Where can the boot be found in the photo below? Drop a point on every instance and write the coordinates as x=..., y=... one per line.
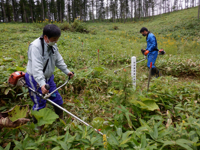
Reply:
x=157, y=72
x=153, y=71
x=34, y=120
x=59, y=112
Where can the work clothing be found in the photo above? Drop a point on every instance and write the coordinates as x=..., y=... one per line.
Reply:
x=152, y=48
x=40, y=54
x=40, y=103
x=36, y=61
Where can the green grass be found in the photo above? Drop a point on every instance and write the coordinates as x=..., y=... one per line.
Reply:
x=130, y=116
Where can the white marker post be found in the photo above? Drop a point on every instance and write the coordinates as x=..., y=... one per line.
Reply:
x=133, y=69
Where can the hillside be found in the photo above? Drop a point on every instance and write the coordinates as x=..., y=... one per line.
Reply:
x=166, y=117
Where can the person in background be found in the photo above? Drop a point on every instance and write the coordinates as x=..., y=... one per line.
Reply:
x=151, y=51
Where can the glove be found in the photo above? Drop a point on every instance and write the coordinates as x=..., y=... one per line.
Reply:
x=143, y=50
x=146, y=52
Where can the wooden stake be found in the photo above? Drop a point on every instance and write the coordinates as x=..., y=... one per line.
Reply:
x=149, y=76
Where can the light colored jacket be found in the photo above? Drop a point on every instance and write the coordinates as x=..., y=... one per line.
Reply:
x=36, y=62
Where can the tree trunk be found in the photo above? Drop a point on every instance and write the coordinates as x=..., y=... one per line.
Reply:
x=8, y=13
x=135, y=7
x=96, y=8
x=42, y=1
x=4, y=12
x=31, y=9
x=131, y=10
x=49, y=12
x=69, y=11
x=66, y=6
x=127, y=9
x=61, y=20
x=152, y=6
x=139, y=10
x=93, y=10
x=24, y=13
x=199, y=9
x=107, y=10
x=121, y=10
x=14, y=12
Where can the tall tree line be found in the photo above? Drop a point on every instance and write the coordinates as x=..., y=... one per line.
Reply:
x=94, y=10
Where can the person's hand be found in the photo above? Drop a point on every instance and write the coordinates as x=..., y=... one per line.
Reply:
x=44, y=90
x=146, y=52
x=143, y=50
x=70, y=75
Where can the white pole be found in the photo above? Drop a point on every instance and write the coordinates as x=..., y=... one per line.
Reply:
x=133, y=70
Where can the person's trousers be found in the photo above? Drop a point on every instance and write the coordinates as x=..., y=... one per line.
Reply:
x=151, y=57
x=40, y=103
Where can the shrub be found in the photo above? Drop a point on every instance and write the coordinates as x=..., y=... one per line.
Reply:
x=65, y=26
x=79, y=26
x=116, y=27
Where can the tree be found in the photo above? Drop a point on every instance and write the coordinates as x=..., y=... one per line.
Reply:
x=14, y=10
x=93, y=10
x=43, y=16
x=199, y=9
x=31, y=3
x=4, y=12
x=131, y=10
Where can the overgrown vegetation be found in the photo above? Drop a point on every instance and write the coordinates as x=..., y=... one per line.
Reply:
x=167, y=117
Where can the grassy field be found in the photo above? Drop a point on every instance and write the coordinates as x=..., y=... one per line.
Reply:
x=166, y=117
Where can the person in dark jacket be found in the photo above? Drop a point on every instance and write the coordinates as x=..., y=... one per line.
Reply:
x=151, y=51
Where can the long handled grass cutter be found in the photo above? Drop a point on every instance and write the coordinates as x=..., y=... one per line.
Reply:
x=17, y=79
x=160, y=52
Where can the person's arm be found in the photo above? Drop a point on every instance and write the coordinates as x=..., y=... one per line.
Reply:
x=37, y=65
x=152, y=43
x=61, y=64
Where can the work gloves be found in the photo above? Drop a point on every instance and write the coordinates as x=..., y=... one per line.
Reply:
x=144, y=51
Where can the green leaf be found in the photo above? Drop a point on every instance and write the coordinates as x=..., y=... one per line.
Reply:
x=147, y=104
x=126, y=134
x=184, y=146
x=18, y=145
x=126, y=138
x=32, y=148
x=7, y=90
x=45, y=116
x=99, y=69
x=97, y=122
x=95, y=139
x=119, y=132
x=143, y=141
x=20, y=68
x=155, y=131
x=63, y=145
x=168, y=143
x=18, y=112
x=7, y=59
x=112, y=140
x=183, y=143
x=128, y=119
x=7, y=147
x=3, y=108
x=151, y=105
x=57, y=148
